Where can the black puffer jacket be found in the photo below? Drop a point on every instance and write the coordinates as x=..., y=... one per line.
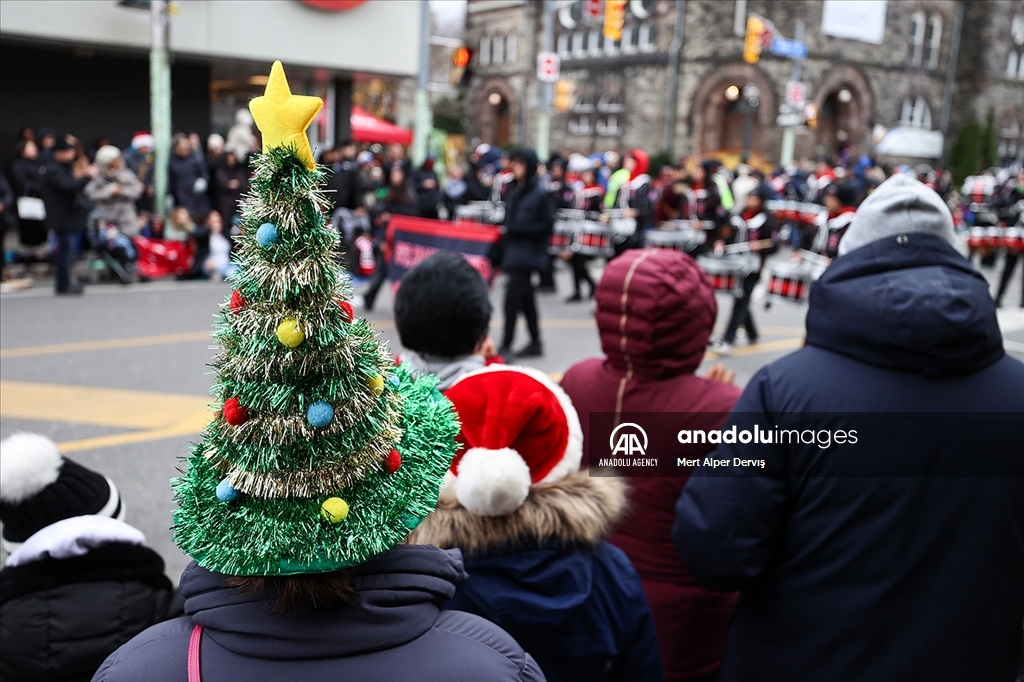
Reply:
x=60, y=618
x=529, y=220
x=62, y=194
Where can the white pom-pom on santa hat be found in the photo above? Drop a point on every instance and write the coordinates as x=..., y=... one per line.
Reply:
x=492, y=482
x=520, y=429
x=28, y=463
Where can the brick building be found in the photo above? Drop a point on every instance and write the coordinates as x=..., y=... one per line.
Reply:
x=883, y=77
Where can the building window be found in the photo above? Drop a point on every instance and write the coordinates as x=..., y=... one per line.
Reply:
x=611, y=47
x=1011, y=64
x=511, y=47
x=596, y=42
x=647, y=38
x=498, y=50
x=739, y=18
x=563, y=44
x=484, y=56
x=579, y=44
x=916, y=38
x=916, y=113
x=933, y=40
x=630, y=39
x=1017, y=29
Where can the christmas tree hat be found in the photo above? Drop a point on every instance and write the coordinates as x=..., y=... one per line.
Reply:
x=322, y=454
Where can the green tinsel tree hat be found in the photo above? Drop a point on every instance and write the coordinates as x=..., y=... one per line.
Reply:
x=322, y=454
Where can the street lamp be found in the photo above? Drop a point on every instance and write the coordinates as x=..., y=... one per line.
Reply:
x=751, y=100
x=732, y=93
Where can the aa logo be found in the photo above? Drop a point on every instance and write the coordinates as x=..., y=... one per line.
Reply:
x=628, y=439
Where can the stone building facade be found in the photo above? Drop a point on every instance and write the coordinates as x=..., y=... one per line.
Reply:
x=898, y=93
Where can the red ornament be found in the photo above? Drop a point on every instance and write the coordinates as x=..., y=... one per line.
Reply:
x=237, y=302
x=393, y=461
x=234, y=413
x=348, y=311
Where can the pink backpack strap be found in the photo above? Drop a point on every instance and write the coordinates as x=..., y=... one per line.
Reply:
x=193, y=654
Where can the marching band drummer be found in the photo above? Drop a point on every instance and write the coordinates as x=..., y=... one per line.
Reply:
x=839, y=200
x=762, y=235
x=589, y=197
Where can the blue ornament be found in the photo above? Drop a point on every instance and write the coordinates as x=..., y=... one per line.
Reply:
x=266, y=235
x=394, y=380
x=226, y=492
x=320, y=414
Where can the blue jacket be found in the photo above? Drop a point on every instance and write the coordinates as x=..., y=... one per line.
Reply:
x=394, y=631
x=900, y=557
x=544, y=574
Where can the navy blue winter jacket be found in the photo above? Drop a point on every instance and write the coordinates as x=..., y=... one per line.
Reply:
x=900, y=557
x=395, y=631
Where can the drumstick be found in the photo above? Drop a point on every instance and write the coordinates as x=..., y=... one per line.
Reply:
x=746, y=246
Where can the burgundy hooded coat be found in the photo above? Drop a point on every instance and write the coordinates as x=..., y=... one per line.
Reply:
x=655, y=313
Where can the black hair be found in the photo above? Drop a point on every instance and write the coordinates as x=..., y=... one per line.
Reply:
x=443, y=307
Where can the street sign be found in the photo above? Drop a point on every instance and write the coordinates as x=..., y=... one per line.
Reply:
x=786, y=120
x=785, y=47
x=548, y=67
x=796, y=93
x=593, y=9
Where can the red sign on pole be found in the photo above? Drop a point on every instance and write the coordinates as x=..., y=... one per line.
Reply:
x=548, y=67
x=593, y=9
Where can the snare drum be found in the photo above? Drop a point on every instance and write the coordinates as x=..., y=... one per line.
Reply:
x=1014, y=239
x=994, y=237
x=593, y=239
x=791, y=281
x=684, y=239
x=470, y=214
x=562, y=237
x=976, y=238
x=724, y=273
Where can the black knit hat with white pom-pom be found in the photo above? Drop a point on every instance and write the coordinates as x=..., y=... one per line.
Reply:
x=38, y=487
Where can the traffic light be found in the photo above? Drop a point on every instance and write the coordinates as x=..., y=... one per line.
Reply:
x=563, y=95
x=811, y=116
x=461, y=73
x=754, y=42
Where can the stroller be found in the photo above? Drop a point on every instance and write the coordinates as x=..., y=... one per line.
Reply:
x=110, y=250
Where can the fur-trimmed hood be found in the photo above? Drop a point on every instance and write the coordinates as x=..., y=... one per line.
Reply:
x=576, y=511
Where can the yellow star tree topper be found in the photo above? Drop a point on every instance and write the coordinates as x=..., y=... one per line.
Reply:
x=283, y=117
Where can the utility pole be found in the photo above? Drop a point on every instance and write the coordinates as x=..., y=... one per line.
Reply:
x=424, y=117
x=789, y=134
x=668, y=137
x=947, y=92
x=160, y=100
x=546, y=93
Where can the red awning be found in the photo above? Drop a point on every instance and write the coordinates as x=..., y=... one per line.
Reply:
x=366, y=128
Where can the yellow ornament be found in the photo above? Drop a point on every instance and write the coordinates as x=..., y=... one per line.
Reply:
x=283, y=117
x=290, y=333
x=377, y=384
x=334, y=509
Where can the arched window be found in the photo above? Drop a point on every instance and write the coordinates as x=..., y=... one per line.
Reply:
x=511, y=44
x=916, y=113
x=1011, y=64
x=498, y=49
x=916, y=38
x=933, y=40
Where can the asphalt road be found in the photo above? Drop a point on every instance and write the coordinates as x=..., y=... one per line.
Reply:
x=118, y=377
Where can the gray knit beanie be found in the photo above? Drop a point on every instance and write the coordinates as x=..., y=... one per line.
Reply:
x=899, y=205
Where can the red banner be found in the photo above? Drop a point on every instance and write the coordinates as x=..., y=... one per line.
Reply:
x=412, y=240
x=162, y=257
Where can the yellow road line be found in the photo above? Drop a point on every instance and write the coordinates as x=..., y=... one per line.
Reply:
x=102, y=406
x=758, y=348
x=132, y=437
x=107, y=344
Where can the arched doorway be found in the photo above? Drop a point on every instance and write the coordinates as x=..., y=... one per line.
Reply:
x=497, y=114
x=721, y=107
x=845, y=107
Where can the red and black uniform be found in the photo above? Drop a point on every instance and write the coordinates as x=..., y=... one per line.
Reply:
x=760, y=225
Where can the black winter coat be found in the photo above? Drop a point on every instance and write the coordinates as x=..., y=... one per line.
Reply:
x=62, y=194
x=343, y=185
x=529, y=222
x=900, y=557
x=59, y=618
x=184, y=171
x=395, y=631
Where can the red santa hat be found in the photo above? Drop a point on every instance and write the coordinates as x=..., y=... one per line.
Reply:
x=519, y=429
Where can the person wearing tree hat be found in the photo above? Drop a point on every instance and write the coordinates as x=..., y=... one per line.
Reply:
x=532, y=527
x=320, y=460
x=78, y=582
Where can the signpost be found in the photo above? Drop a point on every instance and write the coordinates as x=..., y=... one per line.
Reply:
x=549, y=66
x=796, y=93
